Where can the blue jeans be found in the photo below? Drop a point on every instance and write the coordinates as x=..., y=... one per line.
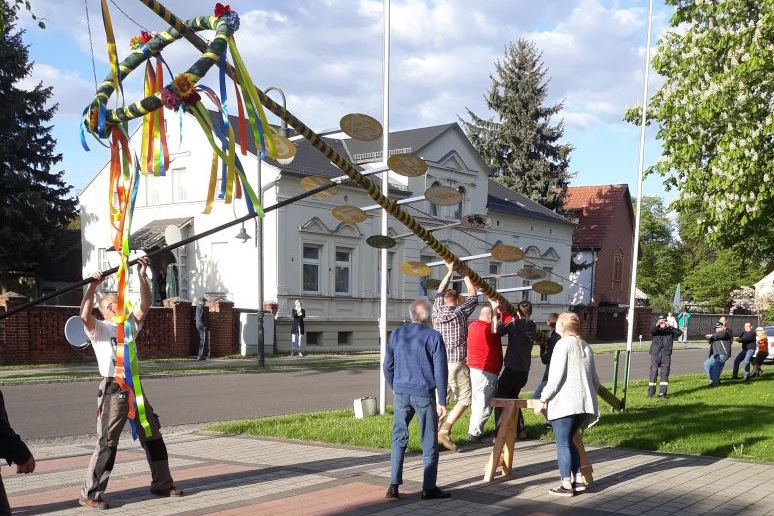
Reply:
x=566, y=452
x=404, y=406
x=743, y=356
x=539, y=390
x=202, y=340
x=713, y=366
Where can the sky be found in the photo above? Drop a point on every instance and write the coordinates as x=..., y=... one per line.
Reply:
x=327, y=57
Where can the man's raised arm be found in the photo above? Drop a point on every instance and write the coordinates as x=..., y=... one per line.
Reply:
x=141, y=310
x=87, y=304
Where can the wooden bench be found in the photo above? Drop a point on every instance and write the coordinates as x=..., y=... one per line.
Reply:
x=505, y=441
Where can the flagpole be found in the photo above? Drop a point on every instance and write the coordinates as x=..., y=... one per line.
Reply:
x=385, y=188
x=638, y=213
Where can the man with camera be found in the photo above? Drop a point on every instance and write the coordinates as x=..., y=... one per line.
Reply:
x=661, y=356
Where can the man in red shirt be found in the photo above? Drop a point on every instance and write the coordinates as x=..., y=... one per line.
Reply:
x=485, y=359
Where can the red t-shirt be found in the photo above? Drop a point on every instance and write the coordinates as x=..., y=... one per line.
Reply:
x=485, y=351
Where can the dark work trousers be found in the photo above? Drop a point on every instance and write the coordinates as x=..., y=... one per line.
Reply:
x=5, y=509
x=659, y=367
x=112, y=413
x=509, y=385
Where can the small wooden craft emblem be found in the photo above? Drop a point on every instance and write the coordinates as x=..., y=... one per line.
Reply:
x=407, y=165
x=443, y=195
x=312, y=182
x=507, y=253
x=361, y=127
x=351, y=214
x=547, y=288
x=415, y=269
x=381, y=241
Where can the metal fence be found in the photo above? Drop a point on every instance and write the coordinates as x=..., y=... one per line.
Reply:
x=700, y=325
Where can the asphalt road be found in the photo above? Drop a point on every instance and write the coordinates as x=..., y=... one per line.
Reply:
x=43, y=411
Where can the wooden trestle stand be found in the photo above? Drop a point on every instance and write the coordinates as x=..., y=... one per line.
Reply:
x=502, y=450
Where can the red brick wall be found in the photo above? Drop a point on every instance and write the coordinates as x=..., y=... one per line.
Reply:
x=588, y=321
x=36, y=335
x=642, y=325
x=620, y=235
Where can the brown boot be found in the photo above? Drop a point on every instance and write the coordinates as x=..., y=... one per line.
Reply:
x=444, y=438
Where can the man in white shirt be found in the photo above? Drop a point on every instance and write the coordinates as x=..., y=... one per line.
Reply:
x=112, y=402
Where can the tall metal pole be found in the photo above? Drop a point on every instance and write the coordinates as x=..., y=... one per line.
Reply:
x=385, y=189
x=638, y=211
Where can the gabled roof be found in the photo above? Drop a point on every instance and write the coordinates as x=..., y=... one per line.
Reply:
x=151, y=235
x=595, y=207
x=414, y=139
x=504, y=200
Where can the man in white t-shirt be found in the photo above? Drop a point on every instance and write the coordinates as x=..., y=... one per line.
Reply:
x=113, y=403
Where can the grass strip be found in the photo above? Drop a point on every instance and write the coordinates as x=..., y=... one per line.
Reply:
x=731, y=421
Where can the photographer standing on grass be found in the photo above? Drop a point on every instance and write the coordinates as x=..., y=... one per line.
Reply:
x=661, y=356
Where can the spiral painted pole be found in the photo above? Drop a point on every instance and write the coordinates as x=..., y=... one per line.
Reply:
x=373, y=190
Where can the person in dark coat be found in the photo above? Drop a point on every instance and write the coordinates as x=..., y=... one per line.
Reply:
x=297, y=330
x=202, y=313
x=719, y=351
x=14, y=451
x=661, y=356
x=546, y=350
x=747, y=339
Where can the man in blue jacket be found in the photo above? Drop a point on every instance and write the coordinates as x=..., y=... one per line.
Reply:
x=415, y=369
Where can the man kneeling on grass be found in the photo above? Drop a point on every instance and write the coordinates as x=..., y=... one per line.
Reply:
x=415, y=369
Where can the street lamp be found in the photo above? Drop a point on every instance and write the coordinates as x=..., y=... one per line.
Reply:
x=259, y=233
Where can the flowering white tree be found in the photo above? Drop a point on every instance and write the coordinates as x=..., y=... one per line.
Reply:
x=715, y=118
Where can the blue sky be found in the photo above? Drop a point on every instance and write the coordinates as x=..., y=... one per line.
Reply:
x=327, y=57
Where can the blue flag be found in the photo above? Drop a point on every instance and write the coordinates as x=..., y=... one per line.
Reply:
x=676, y=300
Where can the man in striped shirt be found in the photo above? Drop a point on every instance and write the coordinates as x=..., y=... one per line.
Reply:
x=450, y=319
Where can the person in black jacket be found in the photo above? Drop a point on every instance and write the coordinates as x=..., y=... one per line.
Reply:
x=14, y=451
x=297, y=329
x=546, y=350
x=747, y=338
x=719, y=351
x=201, y=326
x=661, y=356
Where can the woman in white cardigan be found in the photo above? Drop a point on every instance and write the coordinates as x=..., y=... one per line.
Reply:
x=569, y=399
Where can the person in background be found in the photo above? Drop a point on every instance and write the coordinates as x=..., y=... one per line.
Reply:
x=415, y=368
x=682, y=322
x=546, y=350
x=719, y=351
x=14, y=451
x=569, y=400
x=450, y=319
x=747, y=338
x=485, y=359
x=671, y=321
x=297, y=329
x=661, y=356
x=762, y=351
x=202, y=313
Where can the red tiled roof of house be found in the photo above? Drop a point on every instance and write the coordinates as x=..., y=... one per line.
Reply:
x=594, y=207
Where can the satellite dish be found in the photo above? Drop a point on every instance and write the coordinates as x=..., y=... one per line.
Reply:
x=172, y=234
x=76, y=334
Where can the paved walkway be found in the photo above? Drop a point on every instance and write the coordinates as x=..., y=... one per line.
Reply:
x=244, y=476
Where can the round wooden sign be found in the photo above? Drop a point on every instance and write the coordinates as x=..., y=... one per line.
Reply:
x=351, y=214
x=407, y=165
x=312, y=182
x=415, y=269
x=430, y=283
x=286, y=150
x=531, y=273
x=381, y=241
x=475, y=221
x=361, y=126
x=547, y=288
x=443, y=195
x=507, y=253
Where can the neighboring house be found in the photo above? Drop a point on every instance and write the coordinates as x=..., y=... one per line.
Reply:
x=310, y=255
x=602, y=257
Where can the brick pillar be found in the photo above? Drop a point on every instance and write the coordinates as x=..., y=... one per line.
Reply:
x=181, y=325
x=14, y=331
x=222, y=328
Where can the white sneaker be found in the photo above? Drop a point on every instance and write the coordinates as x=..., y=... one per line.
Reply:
x=300, y=354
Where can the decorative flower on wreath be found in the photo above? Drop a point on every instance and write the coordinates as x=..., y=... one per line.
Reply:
x=182, y=92
x=228, y=15
x=138, y=41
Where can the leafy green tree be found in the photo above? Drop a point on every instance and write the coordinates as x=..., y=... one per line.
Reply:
x=712, y=281
x=714, y=113
x=519, y=144
x=15, y=6
x=34, y=202
x=660, y=267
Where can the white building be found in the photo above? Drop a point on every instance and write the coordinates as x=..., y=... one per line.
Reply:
x=310, y=255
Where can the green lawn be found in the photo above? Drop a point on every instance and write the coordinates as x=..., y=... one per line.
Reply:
x=734, y=420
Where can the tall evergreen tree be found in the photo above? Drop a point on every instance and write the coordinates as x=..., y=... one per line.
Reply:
x=34, y=202
x=520, y=144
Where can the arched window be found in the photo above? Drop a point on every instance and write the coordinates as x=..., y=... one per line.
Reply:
x=433, y=207
x=618, y=266
x=458, y=208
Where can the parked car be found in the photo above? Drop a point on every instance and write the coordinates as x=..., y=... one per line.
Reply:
x=770, y=335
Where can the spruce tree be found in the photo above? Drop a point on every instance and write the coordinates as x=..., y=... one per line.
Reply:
x=34, y=202
x=519, y=144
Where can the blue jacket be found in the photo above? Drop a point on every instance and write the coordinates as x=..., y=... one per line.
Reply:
x=415, y=362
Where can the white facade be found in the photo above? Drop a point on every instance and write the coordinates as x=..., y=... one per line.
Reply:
x=310, y=255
